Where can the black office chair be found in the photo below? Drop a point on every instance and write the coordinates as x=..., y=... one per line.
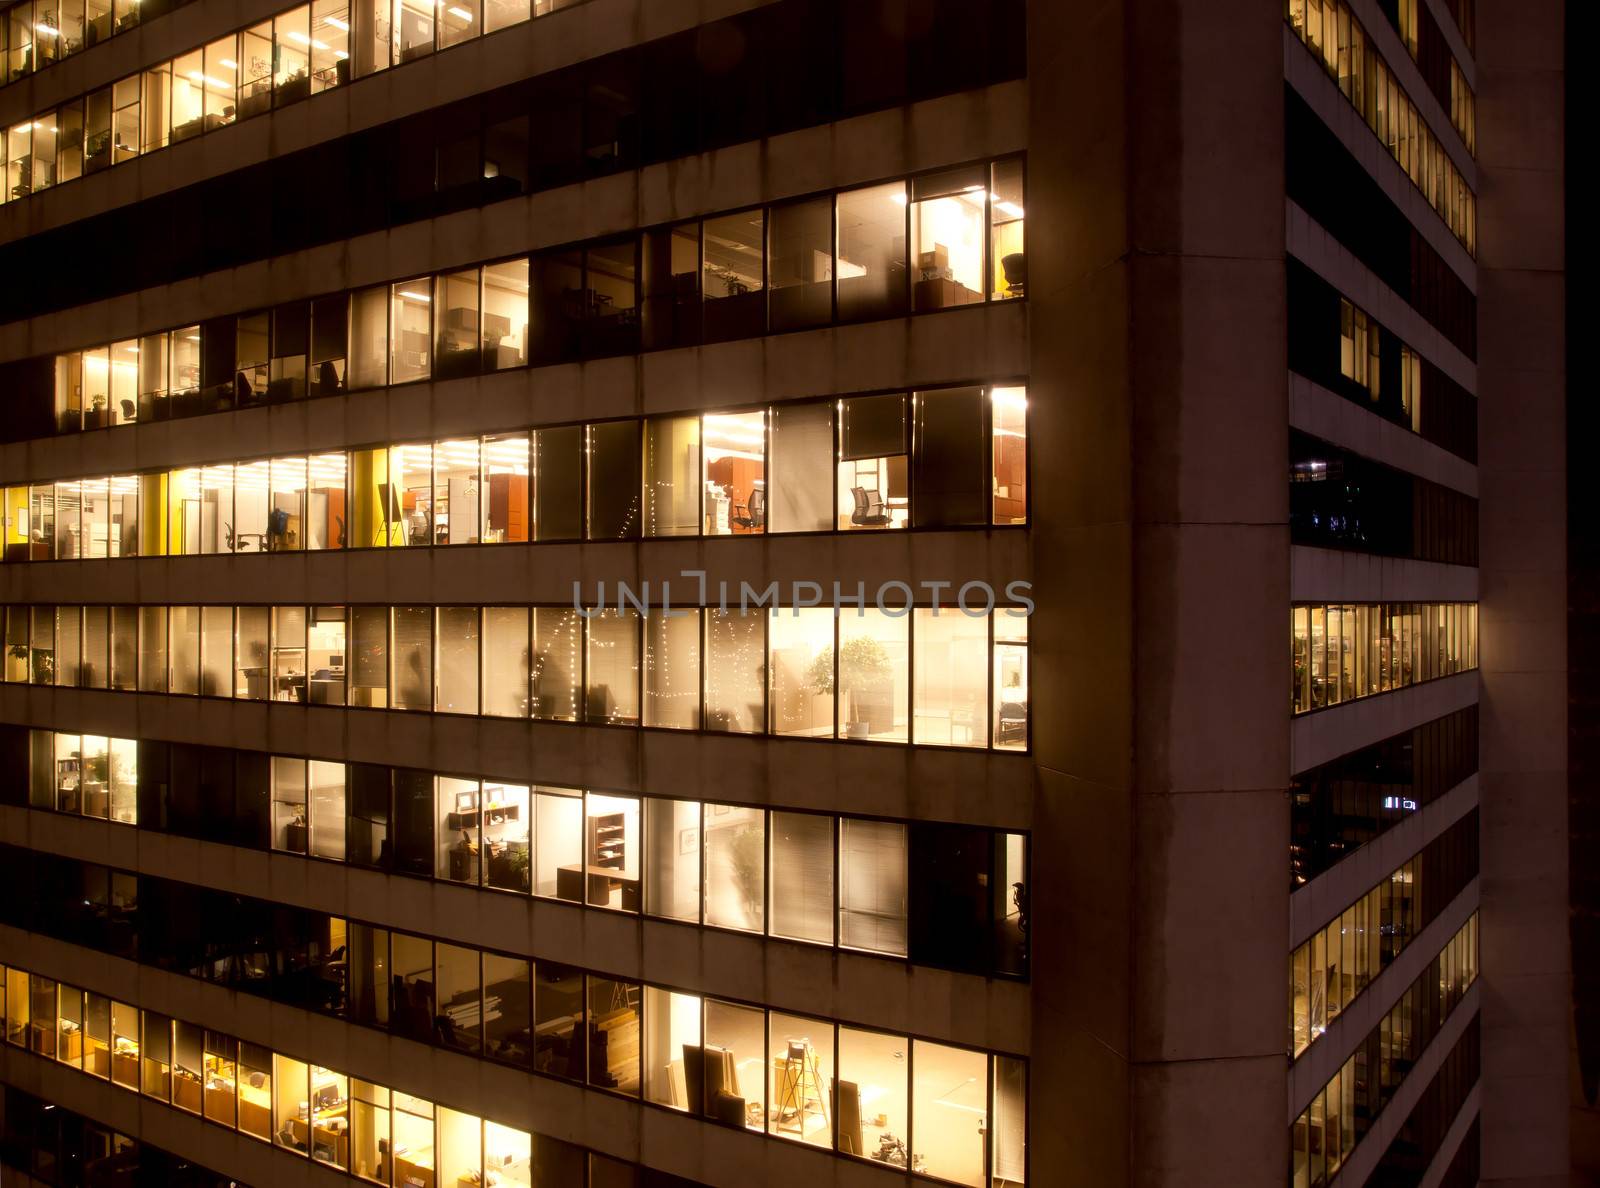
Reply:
x=870, y=510
x=753, y=514
x=130, y=411
x=1015, y=266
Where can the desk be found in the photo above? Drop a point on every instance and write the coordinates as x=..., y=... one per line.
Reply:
x=941, y=293
x=413, y=1169
x=125, y=1069
x=601, y=881
x=330, y=1134
x=186, y=1092
x=255, y=1110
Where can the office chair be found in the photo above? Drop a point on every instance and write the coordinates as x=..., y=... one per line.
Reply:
x=870, y=510
x=130, y=411
x=1015, y=267
x=754, y=513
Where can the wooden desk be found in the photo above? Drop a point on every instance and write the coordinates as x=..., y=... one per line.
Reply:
x=125, y=1069
x=414, y=1170
x=255, y=1111
x=186, y=1092
x=596, y=889
x=70, y=1047
x=331, y=1131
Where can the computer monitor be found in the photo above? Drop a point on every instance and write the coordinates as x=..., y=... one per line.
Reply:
x=326, y=1096
x=335, y=661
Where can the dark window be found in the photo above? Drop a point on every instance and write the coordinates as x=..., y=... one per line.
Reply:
x=950, y=482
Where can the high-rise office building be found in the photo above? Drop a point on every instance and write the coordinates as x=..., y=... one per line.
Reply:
x=652, y=592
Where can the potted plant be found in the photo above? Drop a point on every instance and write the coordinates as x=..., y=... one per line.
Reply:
x=94, y=416
x=747, y=861
x=866, y=683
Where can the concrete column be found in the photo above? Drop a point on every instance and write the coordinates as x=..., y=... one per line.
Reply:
x=1161, y=561
x=1522, y=445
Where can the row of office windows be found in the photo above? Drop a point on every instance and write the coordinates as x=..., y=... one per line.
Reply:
x=1340, y=500
x=934, y=241
x=288, y=57
x=1369, y=365
x=779, y=67
x=1335, y=190
x=1340, y=806
x=42, y=1144
x=1335, y=37
x=1425, y=41
x=376, y=1134
x=1330, y=970
x=1411, y=1152
x=1347, y=651
x=928, y=676
x=1345, y=1109
x=39, y=33
x=953, y=896
x=937, y=458
x=896, y=1099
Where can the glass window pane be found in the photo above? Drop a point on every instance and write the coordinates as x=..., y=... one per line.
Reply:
x=458, y=984
x=671, y=259
x=873, y=678
x=368, y=662
x=611, y=854
x=800, y=1054
x=289, y=653
x=324, y=525
x=733, y=276
x=800, y=653
x=1007, y=246
x=801, y=270
x=286, y=520
x=872, y=885
x=735, y=1077
x=557, y=662
x=412, y=302
x=872, y=1095
x=735, y=867
x=614, y=477
x=289, y=820
x=950, y=473
x=872, y=252
x=614, y=1019
x=457, y=327
x=735, y=698
x=672, y=480
x=327, y=795
x=255, y=1091
x=413, y=26
x=558, y=1027
x=156, y=1052
x=672, y=859
x=505, y=661
x=221, y=82
x=457, y=664
x=802, y=877
x=291, y=1095
x=672, y=1033
x=951, y=696
x=505, y=303
x=369, y=338
x=802, y=466
x=558, y=483
x=505, y=468
x=221, y=1073
x=947, y=236
x=330, y=44
x=460, y=814
x=735, y=473
x=612, y=652
x=410, y=495
x=330, y=339
x=1010, y=681
x=507, y=824
x=672, y=669
x=558, y=833
x=459, y=1155
x=411, y=657
x=872, y=462
x=455, y=491
x=370, y=1140
x=1009, y=420
x=949, y=1102
x=152, y=649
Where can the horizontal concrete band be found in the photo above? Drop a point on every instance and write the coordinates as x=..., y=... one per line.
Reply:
x=979, y=344
x=867, y=990
x=922, y=783
x=1322, y=413
x=929, y=134
x=615, y=1126
x=1351, y=1027
x=1341, y=575
x=1326, y=734
x=1315, y=904
x=546, y=574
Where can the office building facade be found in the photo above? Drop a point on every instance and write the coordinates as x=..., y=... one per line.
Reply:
x=617, y=593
